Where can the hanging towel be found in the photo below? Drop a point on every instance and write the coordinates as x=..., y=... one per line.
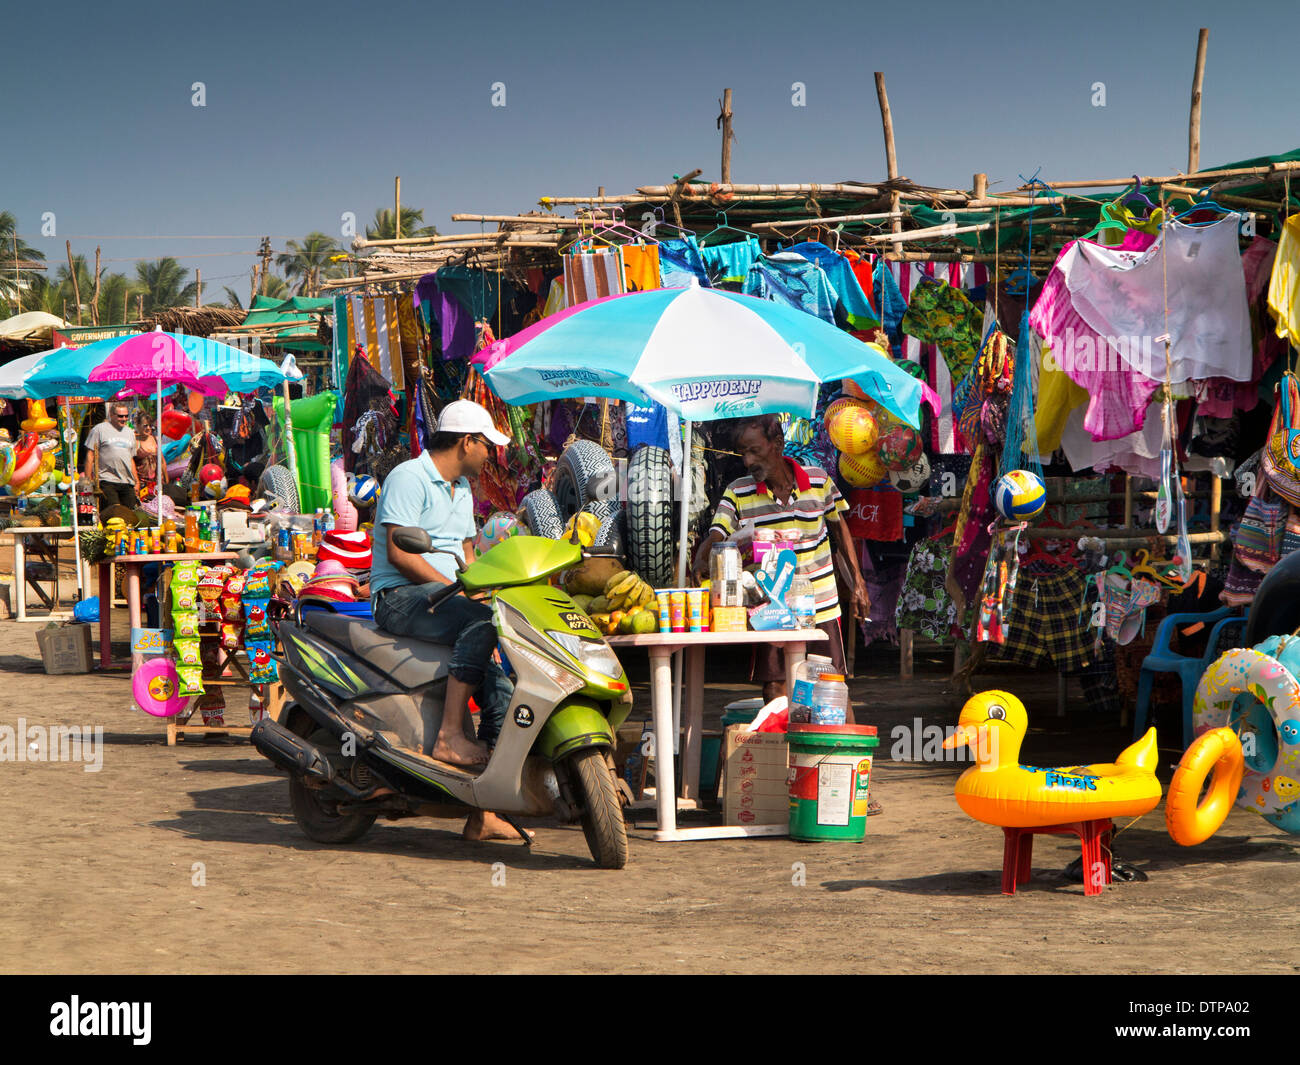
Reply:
x=681, y=265
x=372, y=322
x=640, y=266
x=1284, y=284
x=843, y=279
x=790, y=279
x=730, y=262
x=589, y=275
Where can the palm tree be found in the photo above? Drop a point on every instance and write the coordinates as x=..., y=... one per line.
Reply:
x=41, y=295
x=163, y=282
x=309, y=261
x=382, y=227
x=116, y=292
x=84, y=287
x=12, y=277
x=275, y=288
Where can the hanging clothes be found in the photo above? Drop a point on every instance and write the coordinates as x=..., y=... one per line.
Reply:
x=730, y=263
x=681, y=264
x=1284, y=283
x=790, y=279
x=640, y=266
x=369, y=418
x=371, y=323
x=857, y=310
x=589, y=275
x=940, y=314
x=924, y=604
x=554, y=298
x=1188, y=284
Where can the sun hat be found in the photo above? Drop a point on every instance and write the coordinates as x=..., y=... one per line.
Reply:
x=339, y=588
x=466, y=416
x=329, y=566
x=349, y=549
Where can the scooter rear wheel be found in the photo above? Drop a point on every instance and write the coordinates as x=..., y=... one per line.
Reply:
x=317, y=816
x=602, y=813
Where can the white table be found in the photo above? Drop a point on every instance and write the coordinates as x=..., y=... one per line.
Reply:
x=20, y=568
x=661, y=646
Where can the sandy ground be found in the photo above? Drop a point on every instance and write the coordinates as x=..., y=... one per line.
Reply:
x=186, y=859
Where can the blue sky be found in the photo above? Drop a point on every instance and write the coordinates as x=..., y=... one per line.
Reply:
x=311, y=110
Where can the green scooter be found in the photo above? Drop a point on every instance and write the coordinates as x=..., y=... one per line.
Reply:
x=364, y=707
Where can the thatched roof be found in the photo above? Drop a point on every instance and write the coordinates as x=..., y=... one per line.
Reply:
x=193, y=321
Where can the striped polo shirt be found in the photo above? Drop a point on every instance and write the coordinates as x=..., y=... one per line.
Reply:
x=813, y=502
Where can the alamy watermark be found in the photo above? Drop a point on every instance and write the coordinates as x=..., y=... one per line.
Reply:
x=919, y=742
x=57, y=743
x=1089, y=352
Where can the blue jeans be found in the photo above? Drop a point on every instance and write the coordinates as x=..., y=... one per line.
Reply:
x=464, y=625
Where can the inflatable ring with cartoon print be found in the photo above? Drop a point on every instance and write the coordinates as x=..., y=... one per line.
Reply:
x=1259, y=699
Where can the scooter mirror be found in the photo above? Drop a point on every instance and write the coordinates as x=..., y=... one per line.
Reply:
x=413, y=540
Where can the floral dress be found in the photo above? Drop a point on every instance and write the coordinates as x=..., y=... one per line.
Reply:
x=924, y=604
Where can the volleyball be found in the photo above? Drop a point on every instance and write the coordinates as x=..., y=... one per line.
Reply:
x=499, y=526
x=912, y=479
x=851, y=426
x=861, y=471
x=363, y=490
x=1019, y=495
x=900, y=447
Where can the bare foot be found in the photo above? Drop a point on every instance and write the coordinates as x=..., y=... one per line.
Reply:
x=484, y=824
x=460, y=751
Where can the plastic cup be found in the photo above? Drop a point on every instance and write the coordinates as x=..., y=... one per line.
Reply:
x=677, y=609
x=695, y=608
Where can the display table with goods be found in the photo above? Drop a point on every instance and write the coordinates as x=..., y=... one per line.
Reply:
x=39, y=547
x=661, y=646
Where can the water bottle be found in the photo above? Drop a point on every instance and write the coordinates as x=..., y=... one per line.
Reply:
x=801, y=602
x=805, y=677
x=318, y=527
x=328, y=523
x=830, y=700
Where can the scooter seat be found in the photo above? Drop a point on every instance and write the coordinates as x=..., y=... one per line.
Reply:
x=410, y=662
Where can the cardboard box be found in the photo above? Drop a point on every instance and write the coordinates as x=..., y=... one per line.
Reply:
x=756, y=767
x=65, y=649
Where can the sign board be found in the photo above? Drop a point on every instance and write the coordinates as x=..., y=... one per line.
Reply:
x=75, y=336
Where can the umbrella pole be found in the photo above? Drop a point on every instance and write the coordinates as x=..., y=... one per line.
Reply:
x=76, y=528
x=683, y=575
x=158, y=457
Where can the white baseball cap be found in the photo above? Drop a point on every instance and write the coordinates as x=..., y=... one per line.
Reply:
x=466, y=416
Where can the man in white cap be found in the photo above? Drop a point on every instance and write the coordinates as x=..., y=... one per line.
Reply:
x=432, y=492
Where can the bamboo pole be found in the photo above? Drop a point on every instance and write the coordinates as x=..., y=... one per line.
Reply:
x=979, y=186
x=542, y=220
x=794, y=223
x=397, y=210
x=76, y=286
x=1194, y=124
x=891, y=156
x=94, y=305
x=1240, y=171
x=18, y=292
x=722, y=189
x=1216, y=504
x=198, y=287
x=724, y=124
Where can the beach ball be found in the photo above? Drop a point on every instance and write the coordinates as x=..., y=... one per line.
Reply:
x=500, y=526
x=913, y=479
x=1019, y=494
x=210, y=472
x=216, y=489
x=900, y=447
x=851, y=426
x=861, y=471
x=363, y=490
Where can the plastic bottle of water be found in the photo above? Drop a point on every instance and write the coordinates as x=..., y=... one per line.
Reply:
x=830, y=700
x=327, y=525
x=801, y=602
x=805, y=677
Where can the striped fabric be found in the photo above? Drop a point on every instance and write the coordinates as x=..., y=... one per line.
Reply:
x=943, y=429
x=814, y=501
x=372, y=322
x=588, y=275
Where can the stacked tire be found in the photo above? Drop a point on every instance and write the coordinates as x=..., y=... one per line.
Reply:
x=649, y=516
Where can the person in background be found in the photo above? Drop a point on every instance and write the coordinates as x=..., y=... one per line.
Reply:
x=147, y=466
x=110, y=460
x=780, y=494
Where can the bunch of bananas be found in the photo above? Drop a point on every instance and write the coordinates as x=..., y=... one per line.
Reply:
x=623, y=606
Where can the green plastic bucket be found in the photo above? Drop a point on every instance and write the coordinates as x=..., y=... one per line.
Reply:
x=830, y=778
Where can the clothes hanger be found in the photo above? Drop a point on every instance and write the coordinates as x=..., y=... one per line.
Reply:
x=1203, y=203
x=653, y=223
x=724, y=227
x=1106, y=221
x=1135, y=195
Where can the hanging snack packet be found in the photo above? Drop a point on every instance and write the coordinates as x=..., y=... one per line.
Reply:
x=230, y=634
x=185, y=624
x=186, y=573
x=210, y=652
x=191, y=680
x=261, y=666
x=256, y=627
x=187, y=652
x=185, y=598
x=257, y=584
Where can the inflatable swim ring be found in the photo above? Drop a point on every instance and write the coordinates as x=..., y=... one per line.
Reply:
x=6, y=461
x=37, y=421
x=1257, y=697
x=1216, y=752
x=345, y=514
x=998, y=790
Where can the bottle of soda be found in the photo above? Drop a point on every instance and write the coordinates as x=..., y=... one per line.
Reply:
x=318, y=527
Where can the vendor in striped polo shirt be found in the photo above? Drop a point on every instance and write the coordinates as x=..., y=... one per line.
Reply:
x=779, y=494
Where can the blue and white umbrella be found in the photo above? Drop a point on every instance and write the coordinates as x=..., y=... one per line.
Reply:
x=703, y=353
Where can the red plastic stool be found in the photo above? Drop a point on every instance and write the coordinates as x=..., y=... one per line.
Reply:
x=1018, y=851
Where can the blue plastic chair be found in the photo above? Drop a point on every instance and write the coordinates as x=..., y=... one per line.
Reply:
x=1189, y=670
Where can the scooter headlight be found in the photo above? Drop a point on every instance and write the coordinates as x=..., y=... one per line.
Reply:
x=594, y=654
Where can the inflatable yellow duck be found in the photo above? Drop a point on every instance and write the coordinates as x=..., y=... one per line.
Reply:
x=999, y=791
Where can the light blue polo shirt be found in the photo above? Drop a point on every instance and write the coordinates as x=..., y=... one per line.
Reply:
x=415, y=493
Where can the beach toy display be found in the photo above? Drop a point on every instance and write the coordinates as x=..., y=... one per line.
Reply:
x=861, y=471
x=156, y=688
x=1019, y=495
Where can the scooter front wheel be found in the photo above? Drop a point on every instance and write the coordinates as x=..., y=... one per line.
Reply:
x=317, y=816
x=602, y=813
